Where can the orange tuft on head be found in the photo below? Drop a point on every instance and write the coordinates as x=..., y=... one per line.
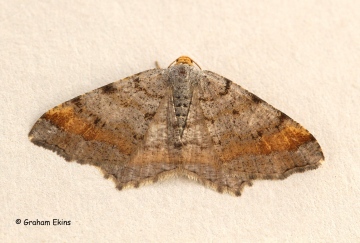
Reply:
x=184, y=60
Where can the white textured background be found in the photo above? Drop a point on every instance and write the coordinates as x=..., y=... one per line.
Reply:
x=303, y=57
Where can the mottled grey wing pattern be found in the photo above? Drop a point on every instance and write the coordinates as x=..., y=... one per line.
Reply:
x=251, y=139
x=106, y=126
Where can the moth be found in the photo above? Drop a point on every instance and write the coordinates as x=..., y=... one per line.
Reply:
x=178, y=121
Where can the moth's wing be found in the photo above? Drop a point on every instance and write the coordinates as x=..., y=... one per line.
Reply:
x=155, y=157
x=252, y=139
x=106, y=126
x=199, y=157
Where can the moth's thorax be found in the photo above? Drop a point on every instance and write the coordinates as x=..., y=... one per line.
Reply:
x=182, y=79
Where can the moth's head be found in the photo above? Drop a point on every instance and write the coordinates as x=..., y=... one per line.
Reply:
x=184, y=60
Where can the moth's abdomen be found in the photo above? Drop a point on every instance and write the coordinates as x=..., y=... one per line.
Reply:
x=182, y=94
x=181, y=105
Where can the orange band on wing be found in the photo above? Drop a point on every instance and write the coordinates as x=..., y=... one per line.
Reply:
x=289, y=138
x=66, y=119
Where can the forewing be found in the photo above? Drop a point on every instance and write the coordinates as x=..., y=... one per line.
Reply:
x=105, y=126
x=251, y=138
